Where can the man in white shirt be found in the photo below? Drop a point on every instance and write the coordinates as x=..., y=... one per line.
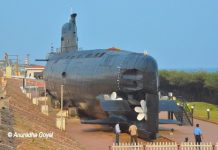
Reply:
x=133, y=133
x=117, y=132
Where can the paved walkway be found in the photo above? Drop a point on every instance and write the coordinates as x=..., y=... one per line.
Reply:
x=96, y=137
x=91, y=137
x=210, y=132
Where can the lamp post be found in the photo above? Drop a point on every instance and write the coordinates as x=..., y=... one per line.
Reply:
x=62, y=90
x=45, y=92
x=192, y=109
x=170, y=94
x=208, y=113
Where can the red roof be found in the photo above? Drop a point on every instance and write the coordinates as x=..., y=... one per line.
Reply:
x=35, y=66
x=113, y=49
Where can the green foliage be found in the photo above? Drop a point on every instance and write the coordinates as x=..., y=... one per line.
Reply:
x=181, y=78
x=200, y=110
x=212, y=81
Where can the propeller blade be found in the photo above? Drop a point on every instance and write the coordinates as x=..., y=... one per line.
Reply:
x=113, y=95
x=142, y=102
x=138, y=110
x=140, y=116
x=145, y=106
x=146, y=117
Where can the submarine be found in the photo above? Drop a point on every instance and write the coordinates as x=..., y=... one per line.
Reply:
x=107, y=86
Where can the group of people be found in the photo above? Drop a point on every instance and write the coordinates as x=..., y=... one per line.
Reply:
x=133, y=130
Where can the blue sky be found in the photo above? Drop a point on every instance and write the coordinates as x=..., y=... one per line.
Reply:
x=177, y=33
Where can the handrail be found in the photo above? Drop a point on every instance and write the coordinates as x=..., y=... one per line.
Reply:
x=187, y=112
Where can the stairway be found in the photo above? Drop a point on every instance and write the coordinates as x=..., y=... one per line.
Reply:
x=184, y=115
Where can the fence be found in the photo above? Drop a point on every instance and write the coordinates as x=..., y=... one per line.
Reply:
x=161, y=146
x=193, y=146
x=165, y=146
x=126, y=146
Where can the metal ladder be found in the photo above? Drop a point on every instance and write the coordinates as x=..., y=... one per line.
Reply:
x=184, y=115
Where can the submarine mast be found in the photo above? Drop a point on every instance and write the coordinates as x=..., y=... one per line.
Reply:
x=69, y=40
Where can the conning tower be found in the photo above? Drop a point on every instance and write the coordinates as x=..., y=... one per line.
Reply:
x=69, y=40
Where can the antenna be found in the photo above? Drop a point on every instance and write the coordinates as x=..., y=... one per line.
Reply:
x=27, y=60
x=71, y=12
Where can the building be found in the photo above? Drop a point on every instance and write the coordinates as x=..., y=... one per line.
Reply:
x=34, y=71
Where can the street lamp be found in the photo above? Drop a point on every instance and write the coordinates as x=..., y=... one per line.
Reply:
x=208, y=113
x=170, y=94
x=192, y=109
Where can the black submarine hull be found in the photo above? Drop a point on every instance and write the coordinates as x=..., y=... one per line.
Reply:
x=88, y=74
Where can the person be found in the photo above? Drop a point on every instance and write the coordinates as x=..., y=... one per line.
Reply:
x=117, y=132
x=171, y=131
x=197, y=134
x=133, y=130
x=186, y=139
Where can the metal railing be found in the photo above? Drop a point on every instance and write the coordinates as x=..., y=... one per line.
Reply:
x=185, y=115
x=187, y=112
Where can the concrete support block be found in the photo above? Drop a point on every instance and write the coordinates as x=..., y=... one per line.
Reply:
x=61, y=123
x=0, y=118
x=4, y=84
x=44, y=109
x=29, y=95
x=23, y=90
x=64, y=113
x=42, y=98
x=35, y=101
x=72, y=111
x=57, y=104
x=5, y=93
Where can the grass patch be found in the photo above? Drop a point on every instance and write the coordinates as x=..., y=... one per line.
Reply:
x=200, y=110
